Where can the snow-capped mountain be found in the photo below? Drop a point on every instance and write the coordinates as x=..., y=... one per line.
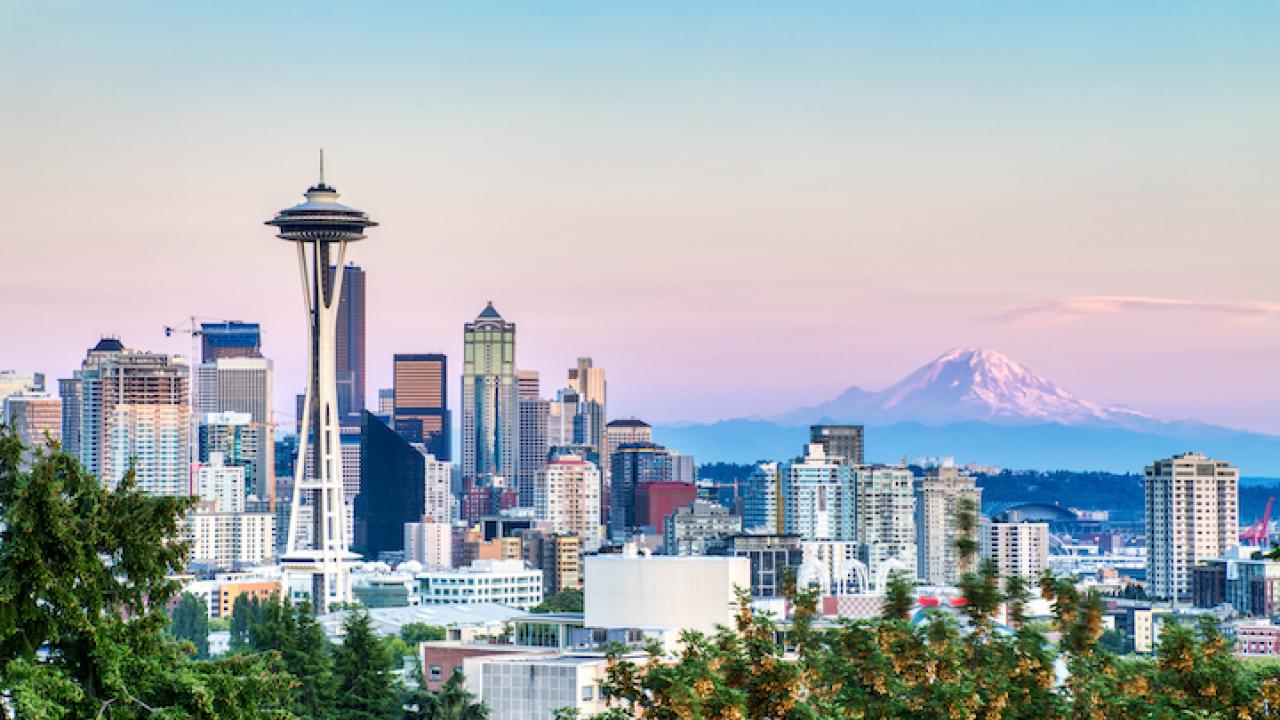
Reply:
x=969, y=384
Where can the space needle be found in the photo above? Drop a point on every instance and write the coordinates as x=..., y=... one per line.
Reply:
x=321, y=228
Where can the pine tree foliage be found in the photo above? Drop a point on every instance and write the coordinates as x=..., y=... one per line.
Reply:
x=367, y=690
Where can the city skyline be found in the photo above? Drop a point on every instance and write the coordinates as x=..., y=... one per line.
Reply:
x=786, y=176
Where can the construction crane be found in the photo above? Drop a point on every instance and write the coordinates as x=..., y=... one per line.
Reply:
x=1258, y=534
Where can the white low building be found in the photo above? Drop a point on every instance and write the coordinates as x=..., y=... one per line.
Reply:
x=506, y=582
x=631, y=590
x=534, y=688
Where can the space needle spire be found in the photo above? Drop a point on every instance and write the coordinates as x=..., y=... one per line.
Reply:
x=321, y=229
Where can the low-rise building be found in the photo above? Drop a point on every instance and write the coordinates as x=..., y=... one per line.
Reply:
x=631, y=590
x=506, y=582
x=535, y=688
x=1248, y=583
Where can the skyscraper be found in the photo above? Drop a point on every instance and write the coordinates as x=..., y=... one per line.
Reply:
x=534, y=446
x=818, y=497
x=230, y=340
x=939, y=496
x=567, y=497
x=349, y=345
x=490, y=397
x=242, y=384
x=321, y=228
x=1192, y=515
x=633, y=465
x=421, y=402
x=131, y=405
x=392, y=488
x=588, y=382
x=762, y=506
x=884, y=501
x=839, y=441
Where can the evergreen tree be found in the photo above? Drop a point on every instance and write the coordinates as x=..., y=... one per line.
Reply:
x=453, y=702
x=366, y=687
x=292, y=632
x=245, y=611
x=85, y=575
x=190, y=623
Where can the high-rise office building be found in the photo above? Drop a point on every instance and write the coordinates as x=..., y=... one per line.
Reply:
x=567, y=497
x=131, y=405
x=818, y=497
x=572, y=424
x=701, y=528
x=421, y=401
x=940, y=496
x=1192, y=515
x=386, y=402
x=392, y=489
x=35, y=417
x=429, y=543
x=350, y=345
x=587, y=381
x=230, y=340
x=558, y=556
x=535, y=414
x=634, y=464
x=490, y=397
x=239, y=385
x=839, y=441
x=884, y=500
x=242, y=443
x=623, y=432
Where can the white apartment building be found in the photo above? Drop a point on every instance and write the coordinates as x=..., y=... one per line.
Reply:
x=429, y=543
x=506, y=582
x=1192, y=515
x=438, y=494
x=817, y=497
x=567, y=498
x=1018, y=548
x=884, y=500
x=224, y=539
x=153, y=441
x=939, y=497
x=220, y=484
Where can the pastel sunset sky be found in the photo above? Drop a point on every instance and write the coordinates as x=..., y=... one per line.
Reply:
x=735, y=208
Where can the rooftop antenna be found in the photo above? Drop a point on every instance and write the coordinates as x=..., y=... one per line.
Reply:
x=321, y=167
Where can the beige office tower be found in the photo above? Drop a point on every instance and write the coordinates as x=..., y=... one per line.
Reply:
x=1018, y=548
x=528, y=384
x=36, y=418
x=940, y=495
x=588, y=382
x=1192, y=515
x=567, y=498
x=625, y=432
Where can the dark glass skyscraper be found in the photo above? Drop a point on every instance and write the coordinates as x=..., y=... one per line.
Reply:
x=421, y=408
x=230, y=340
x=350, y=346
x=634, y=464
x=843, y=441
x=392, y=488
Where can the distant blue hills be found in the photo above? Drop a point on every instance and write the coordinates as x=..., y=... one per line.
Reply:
x=1044, y=446
x=982, y=407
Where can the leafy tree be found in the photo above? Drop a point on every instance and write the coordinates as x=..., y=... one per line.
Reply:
x=453, y=702
x=568, y=600
x=190, y=623
x=1114, y=641
x=416, y=632
x=85, y=576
